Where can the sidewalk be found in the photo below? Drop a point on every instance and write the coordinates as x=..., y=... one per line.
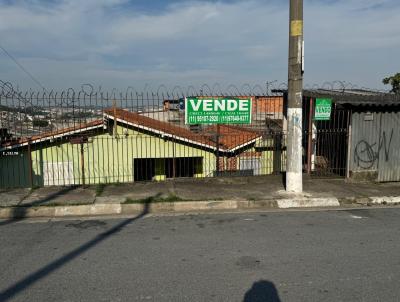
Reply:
x=196, y=194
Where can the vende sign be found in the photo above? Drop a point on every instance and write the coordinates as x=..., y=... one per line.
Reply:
x=323, y=109
x=217, y=111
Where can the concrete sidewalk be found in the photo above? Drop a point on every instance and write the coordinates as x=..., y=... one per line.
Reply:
x=196, y=194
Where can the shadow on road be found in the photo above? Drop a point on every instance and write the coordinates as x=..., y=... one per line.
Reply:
x=29, y=280
x=19, y=212
x=262, y=291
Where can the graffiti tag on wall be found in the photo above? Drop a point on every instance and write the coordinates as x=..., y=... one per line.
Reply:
x=366, y=154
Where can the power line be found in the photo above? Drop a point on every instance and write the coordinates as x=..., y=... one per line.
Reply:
x=22, y=68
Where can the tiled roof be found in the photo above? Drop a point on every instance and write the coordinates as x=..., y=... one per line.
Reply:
x=231, y=137
x=157, y=126
x=58, y=133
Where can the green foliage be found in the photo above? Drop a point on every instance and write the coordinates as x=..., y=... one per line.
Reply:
x=76, y=115
x=8, y=109
x=40, y=123
x=155, y=199
x=394, y=81
x=34, y=188
x=100, y=189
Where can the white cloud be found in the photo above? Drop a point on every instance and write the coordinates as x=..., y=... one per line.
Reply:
x=110, y=43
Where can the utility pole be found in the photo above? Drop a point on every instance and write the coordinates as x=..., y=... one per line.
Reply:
x=294, y=169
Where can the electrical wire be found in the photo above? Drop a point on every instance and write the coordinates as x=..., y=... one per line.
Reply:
x=23, y=68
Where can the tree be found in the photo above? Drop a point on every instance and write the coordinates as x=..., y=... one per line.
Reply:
x=40, y=123
x=394, y=81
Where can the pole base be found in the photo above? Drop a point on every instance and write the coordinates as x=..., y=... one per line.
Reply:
x=294, y=182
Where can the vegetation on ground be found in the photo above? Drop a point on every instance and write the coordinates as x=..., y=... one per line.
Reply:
x=100, y=189
x=153, y=199
x=40, y=123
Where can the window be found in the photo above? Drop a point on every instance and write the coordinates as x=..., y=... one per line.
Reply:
x=183, y=166
x=147, y=168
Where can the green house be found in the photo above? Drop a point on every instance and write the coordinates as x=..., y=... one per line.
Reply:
x=126, y=147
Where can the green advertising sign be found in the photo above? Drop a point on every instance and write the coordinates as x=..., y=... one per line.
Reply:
x=217, y=111
x=323, y=109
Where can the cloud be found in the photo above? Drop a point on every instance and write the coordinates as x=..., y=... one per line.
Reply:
x=119, y=43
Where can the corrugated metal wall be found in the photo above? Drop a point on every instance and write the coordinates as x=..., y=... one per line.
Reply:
x=375, y=146
x=389, y=148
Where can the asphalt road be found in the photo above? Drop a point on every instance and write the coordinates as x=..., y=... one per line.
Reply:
x=284, y=256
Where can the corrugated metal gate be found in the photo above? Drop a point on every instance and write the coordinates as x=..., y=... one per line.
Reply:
x=375, y=146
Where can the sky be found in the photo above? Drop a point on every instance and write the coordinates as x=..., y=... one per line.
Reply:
x=147, y=43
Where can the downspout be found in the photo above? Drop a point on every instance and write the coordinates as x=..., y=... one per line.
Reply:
x=83, y=164
x=310, y=137
x=349, y=138
x=217, y=157
x=30, y=169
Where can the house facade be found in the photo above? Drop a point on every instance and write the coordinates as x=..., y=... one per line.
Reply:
x=127, y=147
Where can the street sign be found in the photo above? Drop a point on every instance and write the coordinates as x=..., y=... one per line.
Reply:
x=217, y=111
x=323, y=109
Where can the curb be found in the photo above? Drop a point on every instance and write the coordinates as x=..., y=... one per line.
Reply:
x=308, y=203
x=385, y=200
x=182, y=207
x=88, y=210
x=165, y=207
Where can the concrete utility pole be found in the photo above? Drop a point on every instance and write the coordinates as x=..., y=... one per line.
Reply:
x=294, y=173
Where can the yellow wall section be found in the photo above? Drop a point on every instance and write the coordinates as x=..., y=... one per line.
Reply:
x=109, y=160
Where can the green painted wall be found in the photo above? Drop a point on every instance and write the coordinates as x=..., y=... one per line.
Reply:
x=110, y=160
x=14, y=170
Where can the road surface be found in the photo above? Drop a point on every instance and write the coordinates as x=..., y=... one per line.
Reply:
x=268, y=256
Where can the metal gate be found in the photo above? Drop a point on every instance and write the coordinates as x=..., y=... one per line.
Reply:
x=325, y=142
